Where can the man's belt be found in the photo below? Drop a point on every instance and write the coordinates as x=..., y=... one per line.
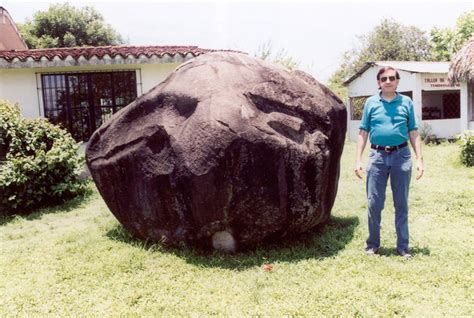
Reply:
x=389, y=148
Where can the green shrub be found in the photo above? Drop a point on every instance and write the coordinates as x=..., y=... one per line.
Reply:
x=467, y=148
x=39, y=162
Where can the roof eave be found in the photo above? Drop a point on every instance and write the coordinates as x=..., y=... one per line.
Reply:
x=359, y=73
x=105, y=60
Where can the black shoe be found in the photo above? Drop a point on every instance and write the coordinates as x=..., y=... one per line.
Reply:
x=405, y=253
x=371, y=251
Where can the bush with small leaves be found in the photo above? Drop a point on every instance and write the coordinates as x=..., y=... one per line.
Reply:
x=466, y=141
x=39, y=163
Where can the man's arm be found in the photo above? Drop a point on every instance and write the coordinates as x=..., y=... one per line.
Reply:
x=415, y=141
x=361, y=142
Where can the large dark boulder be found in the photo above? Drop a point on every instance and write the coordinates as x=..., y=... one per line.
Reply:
x=228, y=149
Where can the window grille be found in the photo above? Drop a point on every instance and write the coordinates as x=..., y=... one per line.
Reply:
x=357, y=106
x=81, y=102
x=441, y=105
x=408, y=93
x=451, y=105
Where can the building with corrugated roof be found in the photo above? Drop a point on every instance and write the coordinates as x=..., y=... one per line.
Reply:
x=437, y=102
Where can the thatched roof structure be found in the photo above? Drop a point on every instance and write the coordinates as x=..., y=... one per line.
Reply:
x=461, y=68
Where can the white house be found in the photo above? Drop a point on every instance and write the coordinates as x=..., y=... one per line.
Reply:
x=79, y=88
x=437, y=103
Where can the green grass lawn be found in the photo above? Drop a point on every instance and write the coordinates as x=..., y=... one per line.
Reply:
x=76, y=260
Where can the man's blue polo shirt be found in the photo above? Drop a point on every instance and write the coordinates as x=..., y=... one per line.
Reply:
x=388, y=123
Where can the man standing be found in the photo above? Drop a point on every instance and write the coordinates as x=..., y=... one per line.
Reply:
x=389, y=121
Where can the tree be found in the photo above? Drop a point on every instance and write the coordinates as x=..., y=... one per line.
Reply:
x=63, y=25
x=265, y=52
x=388, y=41
x=446, y=42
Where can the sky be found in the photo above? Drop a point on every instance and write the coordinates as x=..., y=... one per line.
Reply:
x=316, y=34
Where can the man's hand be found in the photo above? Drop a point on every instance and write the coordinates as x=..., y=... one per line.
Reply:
x=358, y=169
x=415, y=141
x=361, y=141
x=419, y=168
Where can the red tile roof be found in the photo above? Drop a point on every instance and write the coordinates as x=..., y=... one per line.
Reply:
x=101, y=51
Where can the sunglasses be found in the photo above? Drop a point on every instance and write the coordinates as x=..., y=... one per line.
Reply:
x=390, y=79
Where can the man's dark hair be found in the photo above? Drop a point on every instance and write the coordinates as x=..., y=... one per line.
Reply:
x=386, y=68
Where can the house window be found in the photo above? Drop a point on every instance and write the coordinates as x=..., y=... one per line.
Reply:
x=81, y=102
x=440, y=105
x=357, y=106
x=408, y=93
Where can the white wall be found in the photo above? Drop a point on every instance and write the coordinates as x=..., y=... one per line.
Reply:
x=19, y=86
x=465, y=113
x=444, y=128
x=417, y=97
x=153, y=74
x=353, y=129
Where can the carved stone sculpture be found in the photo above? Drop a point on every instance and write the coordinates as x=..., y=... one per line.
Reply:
x=228, y=151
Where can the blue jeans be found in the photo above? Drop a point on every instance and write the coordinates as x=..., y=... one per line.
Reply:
x=381, y=164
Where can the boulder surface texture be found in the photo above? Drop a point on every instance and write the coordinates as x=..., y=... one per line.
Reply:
x=229, y=148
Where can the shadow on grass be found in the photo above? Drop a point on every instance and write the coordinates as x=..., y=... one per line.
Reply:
x=36, y=214
x=392, y=251
x=323, y=241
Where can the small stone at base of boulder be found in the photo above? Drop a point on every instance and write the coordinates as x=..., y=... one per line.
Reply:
x=224, y=241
